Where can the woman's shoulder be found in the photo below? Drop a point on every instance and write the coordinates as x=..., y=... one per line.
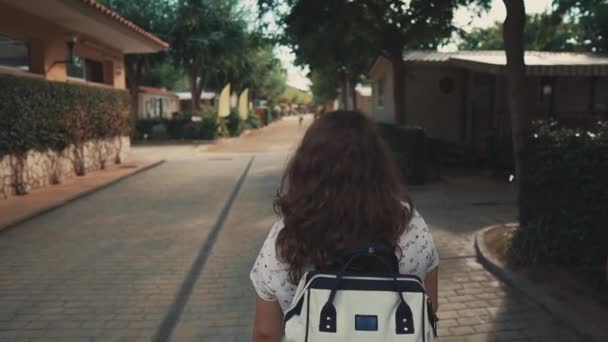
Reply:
x=417, y=231
x=417, y=222
x=268, y=249
x=275, y=229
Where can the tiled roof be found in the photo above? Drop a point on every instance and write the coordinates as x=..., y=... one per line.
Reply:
x=113, y=15
x=499, y=58
x=537, y=62
x=426, y=56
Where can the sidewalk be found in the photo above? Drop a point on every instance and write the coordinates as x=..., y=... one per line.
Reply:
x=17, y=209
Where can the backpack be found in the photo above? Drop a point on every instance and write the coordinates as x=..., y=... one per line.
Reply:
x=351, y=302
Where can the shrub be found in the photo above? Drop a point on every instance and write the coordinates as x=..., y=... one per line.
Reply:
x=253, y=121
x=409, y=146
x=180, y=127
x=144, y=128
x=273, y=115
x=37, y=114
x=235, y=124
x=209, y=126
x=564, y=191
x=159, y=132
x=175, y=126
x=192, y=130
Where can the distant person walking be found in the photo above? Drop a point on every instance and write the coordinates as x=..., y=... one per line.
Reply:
x=301, y=119
x=319, y=112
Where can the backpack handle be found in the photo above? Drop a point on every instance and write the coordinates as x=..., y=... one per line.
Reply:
x=374, y=250
x=404, y=318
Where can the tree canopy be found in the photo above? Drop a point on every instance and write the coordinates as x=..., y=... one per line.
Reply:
x=591, y=19
x=345, y=34
x=542, y=33
x=210, y=45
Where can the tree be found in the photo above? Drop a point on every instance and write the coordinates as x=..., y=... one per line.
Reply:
x=332, y=44
x=542, y=33
x=513, y=33
x=591, y=17
x=154, y=16
x=163, y=75
x=266, y=78
x=324, y=86
x=208, y=36
x=387, y=27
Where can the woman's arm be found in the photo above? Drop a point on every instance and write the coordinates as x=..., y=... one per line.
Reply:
x=431, y=284
x=268, y=325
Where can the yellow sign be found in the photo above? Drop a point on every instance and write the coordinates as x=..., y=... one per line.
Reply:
x=224, y=102
x=244, y=104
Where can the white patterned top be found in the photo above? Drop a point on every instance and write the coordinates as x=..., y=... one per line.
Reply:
x=270, y=275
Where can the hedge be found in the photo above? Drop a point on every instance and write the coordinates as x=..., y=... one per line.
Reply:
x=409, y=145
x=183, y=127
x=37, y=114
x=176, y=129
x=564, y=198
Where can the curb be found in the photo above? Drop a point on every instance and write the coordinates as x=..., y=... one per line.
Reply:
x=77, y=196
x=587, y=330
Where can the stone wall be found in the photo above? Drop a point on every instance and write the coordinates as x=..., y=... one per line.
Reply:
x=42, y=168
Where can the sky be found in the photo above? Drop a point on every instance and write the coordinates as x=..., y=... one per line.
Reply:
x=296, y=76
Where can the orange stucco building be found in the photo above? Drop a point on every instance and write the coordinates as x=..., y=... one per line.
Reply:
x=37, y=39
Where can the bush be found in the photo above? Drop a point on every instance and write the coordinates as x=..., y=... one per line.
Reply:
x=209, y=126
x=564, y=191
x=192, y=130
x=253, y=121
x=175, y=127
x=180, y=127
x=37, y=114
x=144, y=128
x=409, y=145
x=159, y=132
x=235, y=124
x=273, y=115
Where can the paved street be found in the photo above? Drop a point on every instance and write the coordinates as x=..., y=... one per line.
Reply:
x=165, y=255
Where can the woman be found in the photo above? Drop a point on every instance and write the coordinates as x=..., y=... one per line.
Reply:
x=341, y=189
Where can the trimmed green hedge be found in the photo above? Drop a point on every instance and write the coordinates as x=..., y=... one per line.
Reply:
x=180, y=127
x=564, y=199
x=409, y=145
x=37, y=114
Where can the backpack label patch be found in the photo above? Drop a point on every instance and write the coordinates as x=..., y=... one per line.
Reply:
x=366, y=323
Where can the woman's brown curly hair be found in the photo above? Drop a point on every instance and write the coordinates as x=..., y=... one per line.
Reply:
x=341, y=189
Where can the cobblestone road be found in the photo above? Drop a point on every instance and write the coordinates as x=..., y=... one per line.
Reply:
x=165, y=255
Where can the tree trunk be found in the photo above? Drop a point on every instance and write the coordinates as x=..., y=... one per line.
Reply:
x=194, y=93
x=513, y=32
x=134, y=79
x=354, y=93
x=399, y=86
x=344, y=92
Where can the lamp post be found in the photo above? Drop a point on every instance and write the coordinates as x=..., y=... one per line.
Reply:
x=71, y=41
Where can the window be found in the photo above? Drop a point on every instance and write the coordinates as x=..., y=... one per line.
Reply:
x=380, y=93
x=86, y=69
x=14, y=53
x=76, y=68
x=93, y=71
